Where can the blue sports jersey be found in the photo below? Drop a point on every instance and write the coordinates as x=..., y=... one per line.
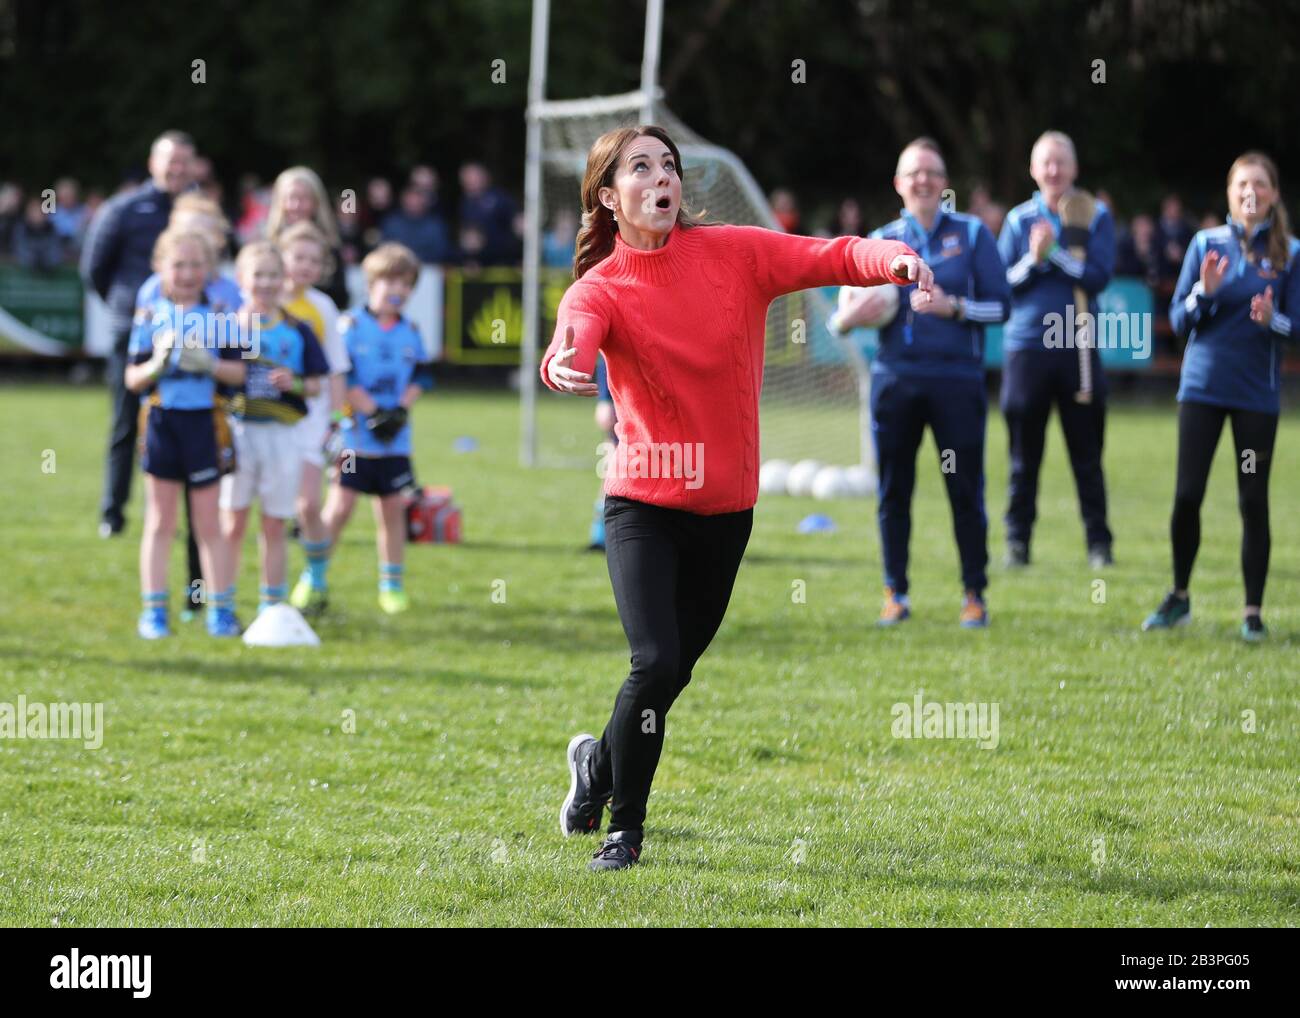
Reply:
x=964, y=257
x=384, y=363
x=284, y=343
x=196, y=325
x=1231, y=361
x=1041, y=289
x=221, y=293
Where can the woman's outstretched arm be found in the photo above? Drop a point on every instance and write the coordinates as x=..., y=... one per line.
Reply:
x=581, y=326
x=786, y=262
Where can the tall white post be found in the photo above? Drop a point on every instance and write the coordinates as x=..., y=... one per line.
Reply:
x=654, y=27
x=528, y=381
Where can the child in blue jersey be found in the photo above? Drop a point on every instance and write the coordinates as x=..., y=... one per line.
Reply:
x=1236, y=302
x=177, y=356
x=197, y=212
x=930, y=371
x=390, y=368
x=286, y=365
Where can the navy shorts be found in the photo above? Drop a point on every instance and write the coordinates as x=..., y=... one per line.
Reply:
x=181, y=445
x=377, y=475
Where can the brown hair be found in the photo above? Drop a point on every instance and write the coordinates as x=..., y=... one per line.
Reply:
x=595, y=240
x=1279, y=231
x=313, y=234
x=391, y=259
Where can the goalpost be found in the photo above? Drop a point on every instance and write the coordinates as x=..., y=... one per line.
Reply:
x=814, y=403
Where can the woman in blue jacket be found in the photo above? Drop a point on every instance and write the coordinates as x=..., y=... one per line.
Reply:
x=930, y=371
x=1239, y=285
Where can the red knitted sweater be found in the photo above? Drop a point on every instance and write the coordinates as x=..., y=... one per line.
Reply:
x=683, y=329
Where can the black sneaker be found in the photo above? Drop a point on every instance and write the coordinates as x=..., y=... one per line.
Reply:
x=1099, y=556
x=584, y=806
x=1017, y=556
x=1253, y=629
x=621, y=850
x=1173, y=611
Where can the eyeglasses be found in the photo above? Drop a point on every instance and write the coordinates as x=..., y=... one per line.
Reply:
x=913, y=174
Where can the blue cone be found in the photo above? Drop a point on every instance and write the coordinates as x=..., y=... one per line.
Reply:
x=817, y=523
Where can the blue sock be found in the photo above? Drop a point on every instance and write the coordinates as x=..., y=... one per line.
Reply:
x=390, y=575
x=221, y=599
x=271, y=596
x=318, y=561
x=150, y=600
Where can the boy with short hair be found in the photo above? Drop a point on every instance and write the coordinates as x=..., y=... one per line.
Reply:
x=390, y=368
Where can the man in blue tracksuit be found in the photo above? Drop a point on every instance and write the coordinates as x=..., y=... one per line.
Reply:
x=930, y=371
x=1040, y=360
x=1237, y=302
x=116, y=259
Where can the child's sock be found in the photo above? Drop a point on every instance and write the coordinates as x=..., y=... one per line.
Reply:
x=150, y=600
x=271, y=596
x=220, y=599
x=390, y=575
x=318, y=561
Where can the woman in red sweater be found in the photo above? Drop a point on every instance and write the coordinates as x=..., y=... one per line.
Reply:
x=679, y=311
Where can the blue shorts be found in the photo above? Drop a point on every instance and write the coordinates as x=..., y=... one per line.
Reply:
x=181, y=445
x=377, y=475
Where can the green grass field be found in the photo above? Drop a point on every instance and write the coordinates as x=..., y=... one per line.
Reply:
x=1123, y=789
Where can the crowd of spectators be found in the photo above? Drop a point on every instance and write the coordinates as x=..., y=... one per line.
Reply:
x=482, y=226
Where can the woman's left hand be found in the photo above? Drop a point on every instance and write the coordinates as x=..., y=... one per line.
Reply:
x=1261, y=307
x=915, y=271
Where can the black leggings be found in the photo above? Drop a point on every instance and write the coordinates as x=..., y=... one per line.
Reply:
x=1253, y=433
x=672, y=573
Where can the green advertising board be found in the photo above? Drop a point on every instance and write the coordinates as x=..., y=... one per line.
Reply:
x=41, y=312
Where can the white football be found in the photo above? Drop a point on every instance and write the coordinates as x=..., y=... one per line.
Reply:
x=829, y=483
x=859, y=481
x=851, y=298
x=772, y=477
x=801, y=478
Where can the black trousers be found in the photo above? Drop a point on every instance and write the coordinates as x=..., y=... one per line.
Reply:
x=1253, y=433
x=1032, y=381
x=672, y=573
x=124, y=407
x=955, y=409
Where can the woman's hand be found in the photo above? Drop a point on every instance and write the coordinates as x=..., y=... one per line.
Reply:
x=1261, y=308
x=1214, y=267
x=914, y=270
x=940, y=305
x=861, y=304
x=565, y=378
x=281, y=378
